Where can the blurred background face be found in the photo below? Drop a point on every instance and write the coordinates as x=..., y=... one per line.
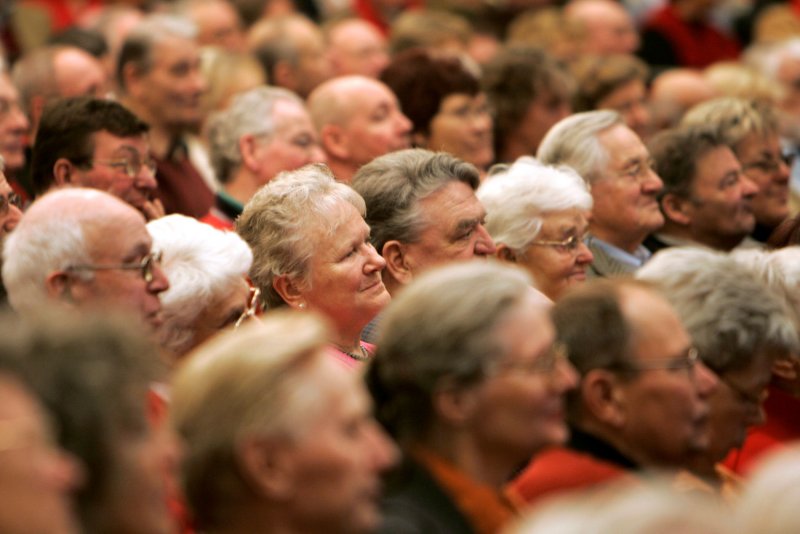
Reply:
x=763, y=162
x=463, y=127
x=13, y=126
x=338, y=461
x=36, y=478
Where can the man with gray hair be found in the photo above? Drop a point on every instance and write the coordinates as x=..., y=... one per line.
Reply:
x=422, y=211
x=158, y=72
x=264, y=131
x=739, y=327
x=85, y=249
x=613, y=160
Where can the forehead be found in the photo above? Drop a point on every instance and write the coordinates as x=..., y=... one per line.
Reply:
x=287, y=112
x=173, y=49
x=621, y=145
x=7, y=89
x=526, y=329
x=449, y=204
x=657, y=331
x=106, y=142
x=118, y=233
x=714, y=164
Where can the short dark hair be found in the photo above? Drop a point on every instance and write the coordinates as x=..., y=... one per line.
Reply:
x=676, y=152
x=66, y=131
x=422, y=81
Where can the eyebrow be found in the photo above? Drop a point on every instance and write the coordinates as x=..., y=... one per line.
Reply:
x=467, y=224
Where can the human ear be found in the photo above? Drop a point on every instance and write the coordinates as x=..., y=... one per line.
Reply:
x=505, y=253
x=397, y=265
x=676, y=209
x=603, y=397
x=289, y=290
x=63, y=172
x=266, y=467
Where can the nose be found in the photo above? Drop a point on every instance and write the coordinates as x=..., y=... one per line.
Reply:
x=146, y=179
x=585, y=255
x=705, y=379
x=382, y=450
x=375, y=261
x=484, y=244
x=403, y=123
x=652, y=183
x=66, y=472
x=566, y=376
x=639, y=117
x=749, y=187
x=159, y=283
x=317, y=155
x=19, y=119
x=482, y=121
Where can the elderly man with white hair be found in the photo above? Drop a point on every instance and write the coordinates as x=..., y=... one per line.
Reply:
x=538, y=217
x=83, y=248
x=613, y=160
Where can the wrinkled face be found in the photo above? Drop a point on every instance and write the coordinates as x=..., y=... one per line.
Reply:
x=108, y=170
x=737, y=404
x=665, y=410
x=218, y=24
x=453, y=219
x=79, y=74
x=554, y=268
x=611, y=31
x=137, y=499
x=337, y=463
x=36, y=477
x=463, y=127
x=625, y=206
x=630, y=101
x=721, y=199
x=545, y=110
x=789, y=76
x=13, y=126
x=120, y=239
x=9, y=213
x=221, y=313
x=763, y=163
x=171, y=90
x=294, y=142
x=520, y=407
x=313, y=65
x=376, y=125
x=345, y=272
x=356, y=47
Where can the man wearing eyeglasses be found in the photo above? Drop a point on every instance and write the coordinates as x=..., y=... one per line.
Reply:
x=707, y=200
x=96, y=143
x=643, y=399
x=83, y=248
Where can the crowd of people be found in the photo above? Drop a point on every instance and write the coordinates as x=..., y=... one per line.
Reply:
x=399, y=266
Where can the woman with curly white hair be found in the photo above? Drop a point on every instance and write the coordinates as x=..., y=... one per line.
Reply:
x=207, y=271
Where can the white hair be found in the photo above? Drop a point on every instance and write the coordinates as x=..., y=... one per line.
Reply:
x=518, y=197
x=779, y=269
x=202, y=265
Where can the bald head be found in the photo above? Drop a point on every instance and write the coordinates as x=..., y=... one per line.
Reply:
x=607, y=27
x=356, y=47
x=674, y=92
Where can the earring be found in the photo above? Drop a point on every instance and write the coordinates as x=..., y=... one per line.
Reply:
x=302, y=305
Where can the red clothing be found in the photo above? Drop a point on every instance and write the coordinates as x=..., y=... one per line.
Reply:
x=366, y=10
x=560, y=470
x=694, y=44
x=180, y=187
x=218, y=220
x=782, y=426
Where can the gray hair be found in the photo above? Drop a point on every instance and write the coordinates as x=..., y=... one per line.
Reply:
x=573, y=141
x=440, y=328
x=729, y=313
x=278, y=220
x=252, y=382
x=734, y=118
x=393, y=185
x=779, y=269
x=202, y=264
x=517, y=198
x=138, y=46
x=250, y=113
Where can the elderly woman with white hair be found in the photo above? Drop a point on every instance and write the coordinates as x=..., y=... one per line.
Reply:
x=312, y=250
x=538, y=217
x=207, y=270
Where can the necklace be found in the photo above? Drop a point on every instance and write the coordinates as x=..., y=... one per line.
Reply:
x=364, y=356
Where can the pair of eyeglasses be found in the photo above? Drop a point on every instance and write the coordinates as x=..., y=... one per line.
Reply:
x=130, y=166
x=12, y=199
x=638, y=171
x=146, y=266
x=544, y=364
x=771, y=165
x=687, y=362
x=570, y=244
x=747, y=398
x=252, y=307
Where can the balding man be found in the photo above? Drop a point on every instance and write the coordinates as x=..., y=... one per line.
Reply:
x=358, y=119
x=356, y=47
x=86, y=249
x=607, y=27
x=674, y=92
x=218, y=23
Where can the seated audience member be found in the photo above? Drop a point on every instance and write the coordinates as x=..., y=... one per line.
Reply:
x=14, y=126
x=444, y=101
x=304, y=458
x=10, y=205
x=226, y=75
x=750, y=129
x=606, y=27
x=422, y=211
x=357, y=119
x=643, y=398
x=614, y=82
x=615, y=163
x=208, y=289
x=292, y=52
x=86, y=250
x=538, y=217
x=548, y=29
x=355, y=47
x=468, y=380
x=529, y=92
x=96, y=143
x=737, y=80
x=438, y=31
x=218, y=23
x=158, y=73
x=311, y=249
x=739, y=328
x=264, y=131
x=94, y=376
x=769, y=500
x=37, y=478
x=46, y=74
x=707, y=200
x=673, y=92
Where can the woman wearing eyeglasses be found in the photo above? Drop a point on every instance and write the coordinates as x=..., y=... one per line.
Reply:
x=311, y=251
x=207, y=271
x=538, y=217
